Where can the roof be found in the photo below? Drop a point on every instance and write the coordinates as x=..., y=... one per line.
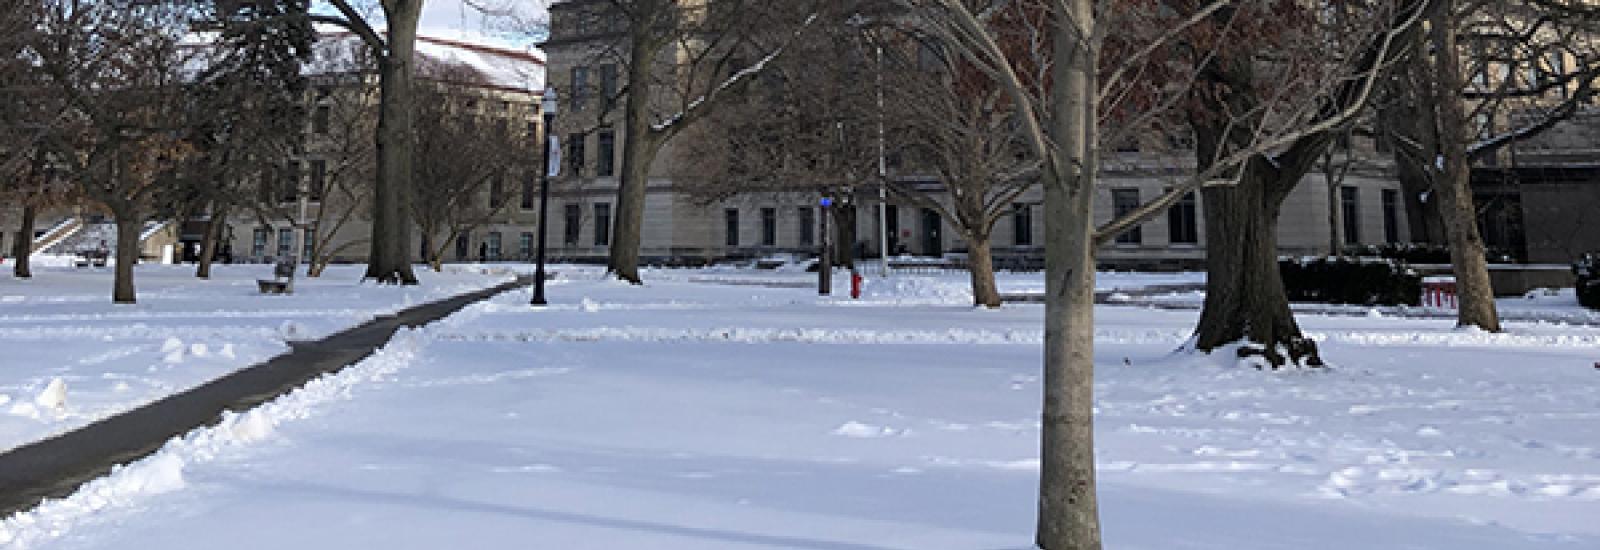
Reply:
x=494, y=66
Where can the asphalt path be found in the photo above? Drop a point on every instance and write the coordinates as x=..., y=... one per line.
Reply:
x=56, y=467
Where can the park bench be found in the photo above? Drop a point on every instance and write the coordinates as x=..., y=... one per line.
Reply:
x=90, y=258
x=282, y=281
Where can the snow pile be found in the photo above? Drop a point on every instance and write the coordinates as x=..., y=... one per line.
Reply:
x=163, y=471
x=918, y=290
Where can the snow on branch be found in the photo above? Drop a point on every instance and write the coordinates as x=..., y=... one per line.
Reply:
x=699, y=103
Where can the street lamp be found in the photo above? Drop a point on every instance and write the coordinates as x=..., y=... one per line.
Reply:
x=550, y=168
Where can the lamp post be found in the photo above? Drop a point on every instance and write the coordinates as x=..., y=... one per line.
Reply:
x=825, y=265
x=550, y=104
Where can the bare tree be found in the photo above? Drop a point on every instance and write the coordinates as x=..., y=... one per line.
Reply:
x=474, y=158
x=389, y=261
x=1486, y=76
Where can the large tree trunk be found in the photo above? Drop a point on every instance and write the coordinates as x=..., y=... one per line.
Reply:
x=23, y=248
x=639, y=148
x=844, y=234
x=1473, y=288
x=390, y=258
x=980, y=264
x=128, y=229
x=208, y=242
x=1245, y=299
x=1069, y=516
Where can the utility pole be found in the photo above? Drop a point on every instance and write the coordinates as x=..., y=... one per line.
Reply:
x=883, y=179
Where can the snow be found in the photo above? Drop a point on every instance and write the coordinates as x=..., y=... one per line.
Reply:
x=740, y=413
x=71, y=357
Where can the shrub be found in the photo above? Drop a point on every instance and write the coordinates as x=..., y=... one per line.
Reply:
x=1413, y=253
x=1350, y=281
x=1588, y=270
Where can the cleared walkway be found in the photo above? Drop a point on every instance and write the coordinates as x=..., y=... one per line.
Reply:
x=57, y=466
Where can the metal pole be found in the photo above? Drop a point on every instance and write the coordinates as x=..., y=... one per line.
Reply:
x=825, y=268
x=883, y=180
x=544, y=210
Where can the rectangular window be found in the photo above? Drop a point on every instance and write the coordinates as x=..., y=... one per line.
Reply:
x=258, y=242
x=731, y=226
x=1022, y=220
x=497, y=192
x=525, y=245
x=285, y=243
x=319, y=178
x=463, y=246
x=494, y=246
x=1391, y=216
x=1124, y=201
x=574, y=153
x=1349, y=204
x=769, y=227
x=290, y=189
x=322, y=120
x=606, y=155
x=529, y=191
x=571, y=225
x=602, y=224
x=580, y=87
x=608, y=85
x=891, y=225
x=310, y=246
x=1182, y=225
x=808, y=226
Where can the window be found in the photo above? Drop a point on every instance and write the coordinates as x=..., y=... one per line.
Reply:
x=580, y=86
x=575, y=153
x=528, y=192
x=608, y=85
x=289, y=188
x=258, y=242
x=525, y=245
x=570, y=226
x=497, y=192
x=602, y=224
x=731, y=227
x=463, y=245
x=1182, y=226
x=310, y=241
x=1022, y=220
x=891, y=226
x=1391, y=216
x=319, y=178
x=808, y=226
x=606, y=156
x=769, y=227
x=321, y=120
x=494, y=246
x=1124, y=201
x=285, y=243
x=1349, y=201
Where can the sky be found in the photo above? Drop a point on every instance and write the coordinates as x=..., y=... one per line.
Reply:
x=455, y=19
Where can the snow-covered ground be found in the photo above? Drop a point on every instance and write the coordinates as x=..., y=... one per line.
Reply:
x=61, y=329
x=689, y=414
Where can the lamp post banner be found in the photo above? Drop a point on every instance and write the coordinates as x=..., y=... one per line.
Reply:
x=553, y=167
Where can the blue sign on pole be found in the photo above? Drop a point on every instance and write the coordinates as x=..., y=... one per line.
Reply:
x=826, y=202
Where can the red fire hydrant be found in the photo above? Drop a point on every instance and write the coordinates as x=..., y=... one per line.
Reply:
x=855, y=284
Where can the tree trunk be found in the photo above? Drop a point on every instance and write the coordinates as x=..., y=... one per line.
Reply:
x=208, y=242
x=390, y=258
x=844, y=235
x=1335, y=208
x=1473, y=288
x=128, y=229
x=23, y=248
x=1069, y=516
x=980, y=264
x=639, y=148
x=1245, y=299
